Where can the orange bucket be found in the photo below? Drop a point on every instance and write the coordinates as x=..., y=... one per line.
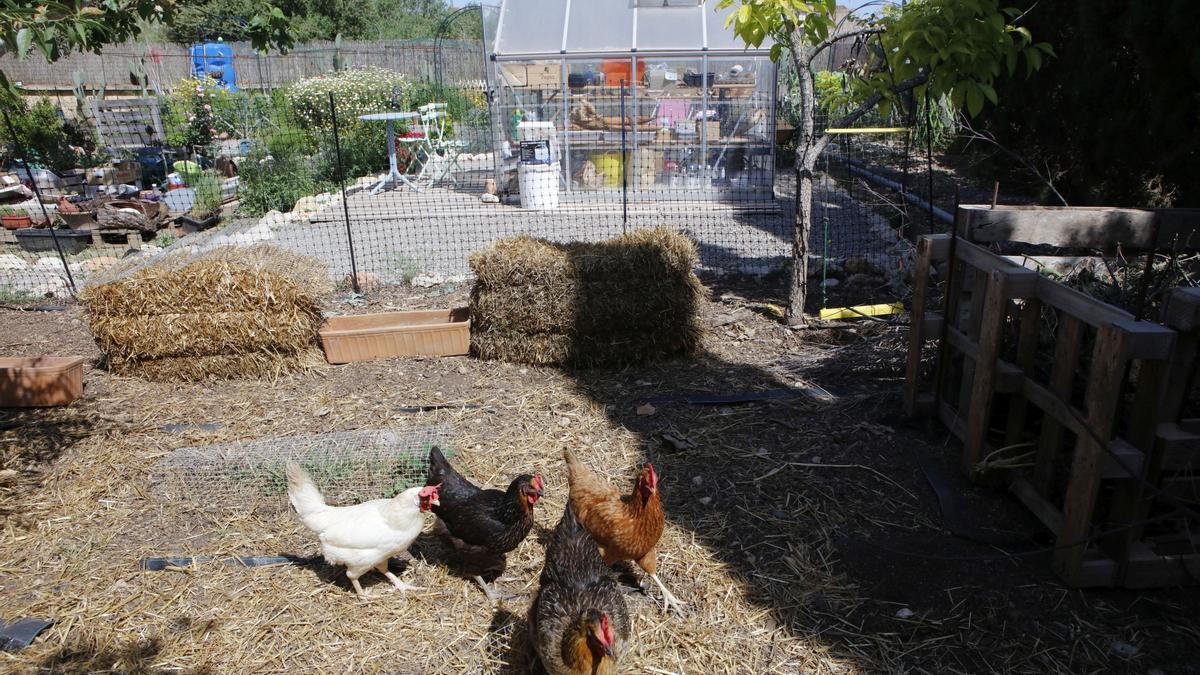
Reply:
x=616, y=70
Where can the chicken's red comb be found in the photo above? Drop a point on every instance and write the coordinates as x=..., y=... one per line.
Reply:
x=537, y=481
x=653, y=477
x=606, y=629
x=429, y=490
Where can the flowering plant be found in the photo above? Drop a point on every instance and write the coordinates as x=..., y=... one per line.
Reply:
x=192, y=112
x=357, y=91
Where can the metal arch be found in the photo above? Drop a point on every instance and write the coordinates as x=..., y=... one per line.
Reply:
x=440, y=35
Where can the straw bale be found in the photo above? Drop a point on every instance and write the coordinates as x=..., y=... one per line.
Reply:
x=656, y=253
x=147, y=336
x=582, y=351
x=560, y=308
x=629, y=299
x=233, y=311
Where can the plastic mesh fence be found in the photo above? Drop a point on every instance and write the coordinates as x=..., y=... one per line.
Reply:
x=348, y=467
x=387, y=180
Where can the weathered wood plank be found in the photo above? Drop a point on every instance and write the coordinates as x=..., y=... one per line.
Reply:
x=1068, y=341
x=916, y=326
x=1079, y=227
x=1027, y=344
x=1102, y=398
x=995, y=313
x=1079, y=305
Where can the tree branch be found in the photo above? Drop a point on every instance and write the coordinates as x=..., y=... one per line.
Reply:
x=870, y=102
x=838, y=38
x=975, y=135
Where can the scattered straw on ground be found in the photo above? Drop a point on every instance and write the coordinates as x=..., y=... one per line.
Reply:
x=774, y=510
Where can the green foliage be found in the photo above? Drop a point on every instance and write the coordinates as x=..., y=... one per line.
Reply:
x=276, y=183
x=1114, y=121
x=313, y=19
x=164, y=239
x=54, y=28
x=191, y=112
x=208, y=194
x=954, y=48
x=52, y=141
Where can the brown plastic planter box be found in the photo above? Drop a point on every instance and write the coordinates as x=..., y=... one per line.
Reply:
x=40, y=381
x=379, y=336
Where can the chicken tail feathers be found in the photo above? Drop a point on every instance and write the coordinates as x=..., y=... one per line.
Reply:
x=438, y=466
x=302, y=492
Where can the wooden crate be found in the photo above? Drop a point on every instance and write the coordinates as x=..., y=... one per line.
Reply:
x=986, y=387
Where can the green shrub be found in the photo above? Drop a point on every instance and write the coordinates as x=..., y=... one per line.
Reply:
x=277, y=183
x=50, y=140
x=193, y=110
x=208, y=194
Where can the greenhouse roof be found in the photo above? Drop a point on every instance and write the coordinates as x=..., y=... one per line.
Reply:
x=541, y=28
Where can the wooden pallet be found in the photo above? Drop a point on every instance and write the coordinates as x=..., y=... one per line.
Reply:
x=998, y=307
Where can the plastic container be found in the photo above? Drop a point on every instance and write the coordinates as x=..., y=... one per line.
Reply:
x=539, y=186
x=215, y=60
x=616, y=70
x=36, y=241
x=379, y=336
x=40, y=381
x=609, y=164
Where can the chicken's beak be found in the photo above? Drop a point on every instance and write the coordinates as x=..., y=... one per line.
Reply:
x=435, y=502
x=609, y=651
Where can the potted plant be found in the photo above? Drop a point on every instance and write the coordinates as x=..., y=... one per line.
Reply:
x=206, y=210
x=14, y=218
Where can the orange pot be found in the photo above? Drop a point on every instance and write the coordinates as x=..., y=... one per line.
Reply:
x=16, y=222
x=40, y=381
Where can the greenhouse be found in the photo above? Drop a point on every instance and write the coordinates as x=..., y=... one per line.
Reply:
x=646, y=96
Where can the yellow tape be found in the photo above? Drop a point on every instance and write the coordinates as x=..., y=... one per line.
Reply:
x=860, y=311
x=867, y=130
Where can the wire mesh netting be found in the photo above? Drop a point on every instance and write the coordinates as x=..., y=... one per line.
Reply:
x=389, y=179
x=348, y=467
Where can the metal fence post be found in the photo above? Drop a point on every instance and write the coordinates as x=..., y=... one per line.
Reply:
x=624, y=168
x=337, y=145
x=37, y=192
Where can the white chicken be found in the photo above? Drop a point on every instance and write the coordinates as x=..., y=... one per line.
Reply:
x=361, y=537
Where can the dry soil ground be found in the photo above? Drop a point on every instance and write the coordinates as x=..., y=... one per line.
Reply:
x=802, y=531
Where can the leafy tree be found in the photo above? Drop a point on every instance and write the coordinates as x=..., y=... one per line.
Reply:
x=1116, y=121
x=312, y=19
x=55, y=28
x=952, y=48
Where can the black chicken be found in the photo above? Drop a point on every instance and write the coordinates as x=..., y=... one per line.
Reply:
x=481, y=526
x=578, y=622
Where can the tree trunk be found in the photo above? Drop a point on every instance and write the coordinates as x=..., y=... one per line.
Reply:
x=806, y=161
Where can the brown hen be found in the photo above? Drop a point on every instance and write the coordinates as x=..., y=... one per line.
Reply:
x=627, y=527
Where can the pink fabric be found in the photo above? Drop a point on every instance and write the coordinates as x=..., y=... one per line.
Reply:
x=673, y=109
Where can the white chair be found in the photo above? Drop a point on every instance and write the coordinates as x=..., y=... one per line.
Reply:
x=442, y=152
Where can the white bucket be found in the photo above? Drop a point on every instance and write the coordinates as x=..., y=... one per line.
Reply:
x=538, y=185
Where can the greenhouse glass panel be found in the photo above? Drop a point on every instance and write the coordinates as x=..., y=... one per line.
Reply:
x=669, y=29
x=531, y=27
x=594, y=26
x=720, y=37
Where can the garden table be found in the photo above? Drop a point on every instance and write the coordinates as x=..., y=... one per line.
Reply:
x=393, y=171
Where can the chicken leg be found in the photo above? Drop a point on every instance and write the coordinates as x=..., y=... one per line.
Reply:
x=382, y=568
x=491, y=595
x=353, y=577
x=669, y=600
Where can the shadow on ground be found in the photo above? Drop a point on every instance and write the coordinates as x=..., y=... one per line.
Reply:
x=822, y=510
